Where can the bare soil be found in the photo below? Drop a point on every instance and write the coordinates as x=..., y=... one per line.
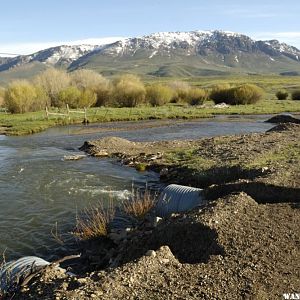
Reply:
x=234, y=248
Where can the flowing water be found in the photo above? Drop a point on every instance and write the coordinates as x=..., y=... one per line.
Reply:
x=41, y=193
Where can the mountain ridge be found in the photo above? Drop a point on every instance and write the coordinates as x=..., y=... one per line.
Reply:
x=192, y=53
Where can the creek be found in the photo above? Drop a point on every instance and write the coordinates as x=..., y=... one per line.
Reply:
x=41, y=193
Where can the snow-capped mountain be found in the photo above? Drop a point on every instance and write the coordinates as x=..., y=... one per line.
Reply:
x=60, y=55
x=193, y=52
x=197, y=43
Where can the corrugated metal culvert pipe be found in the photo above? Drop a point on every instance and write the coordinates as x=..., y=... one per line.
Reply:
x=178, y=198
x=13, y=271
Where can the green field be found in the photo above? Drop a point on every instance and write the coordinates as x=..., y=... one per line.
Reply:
x=28, y=123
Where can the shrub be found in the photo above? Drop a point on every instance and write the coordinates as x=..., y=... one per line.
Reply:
x=221, y=93
x=243, y=94
x=71, y=96
x=246, y=94
x=41, y=101
x=129, y=91
x=158, y=94
x=180, y=90
x=282, y=95
x=93, y=82
x=53, y=81
x=196, y=96
x=296, y=95
x=88, y=79
x=87, y=98
x=104, y=95
x=21, y=97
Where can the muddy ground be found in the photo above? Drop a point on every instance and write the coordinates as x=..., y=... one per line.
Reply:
x=245, y=244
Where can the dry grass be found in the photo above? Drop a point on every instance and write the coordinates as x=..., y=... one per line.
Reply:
x=139, y=204
x=94, y=222
x=5, y=279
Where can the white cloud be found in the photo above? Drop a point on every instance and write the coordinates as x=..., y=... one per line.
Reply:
x=289, y=37
x=29, y=48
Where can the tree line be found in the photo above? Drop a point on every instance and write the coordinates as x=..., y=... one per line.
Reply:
x=86, y=88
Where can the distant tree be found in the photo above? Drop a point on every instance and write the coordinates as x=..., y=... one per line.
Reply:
x=282, y=95
x=53, y=81
x=104, y=95
x=70, y=95
x=88, y=79
x=158, y=94
x=22, y=96
x=129, y=91
x=87, y=98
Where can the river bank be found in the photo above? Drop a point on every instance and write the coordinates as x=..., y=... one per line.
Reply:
x=269, y=158
x=29, y=123
x=243, y=245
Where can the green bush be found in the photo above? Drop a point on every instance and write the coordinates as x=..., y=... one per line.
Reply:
x=88, y=79
x=21, y=97
x=41, y=101
x=104, y=95
x=128, y=91
x=53, y=81
x=282, y=95
x=196, y=96
x=87, y=98
x=246, y=94
x=221, y=93
x=296, y=95
x=158, y=94
x=243, y=94
x=71, y=96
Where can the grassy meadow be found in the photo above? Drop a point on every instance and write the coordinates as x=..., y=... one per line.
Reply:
x=32, y=122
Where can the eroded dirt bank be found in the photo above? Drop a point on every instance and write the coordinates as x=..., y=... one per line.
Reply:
x=237, y=247
x=234, y=248
x=271, y=158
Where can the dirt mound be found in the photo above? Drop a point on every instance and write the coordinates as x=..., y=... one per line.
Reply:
x=284, y=127
x=251, y=251
x=284, y=118
x=115, y=146
x=110, y=144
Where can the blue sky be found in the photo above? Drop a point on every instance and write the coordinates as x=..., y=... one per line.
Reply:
x=31, y=25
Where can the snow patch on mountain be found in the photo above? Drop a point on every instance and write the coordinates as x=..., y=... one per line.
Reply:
x=197, y=43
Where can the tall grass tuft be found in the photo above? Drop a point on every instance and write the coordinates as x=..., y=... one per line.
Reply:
x=95, y=221
x=139, y=204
